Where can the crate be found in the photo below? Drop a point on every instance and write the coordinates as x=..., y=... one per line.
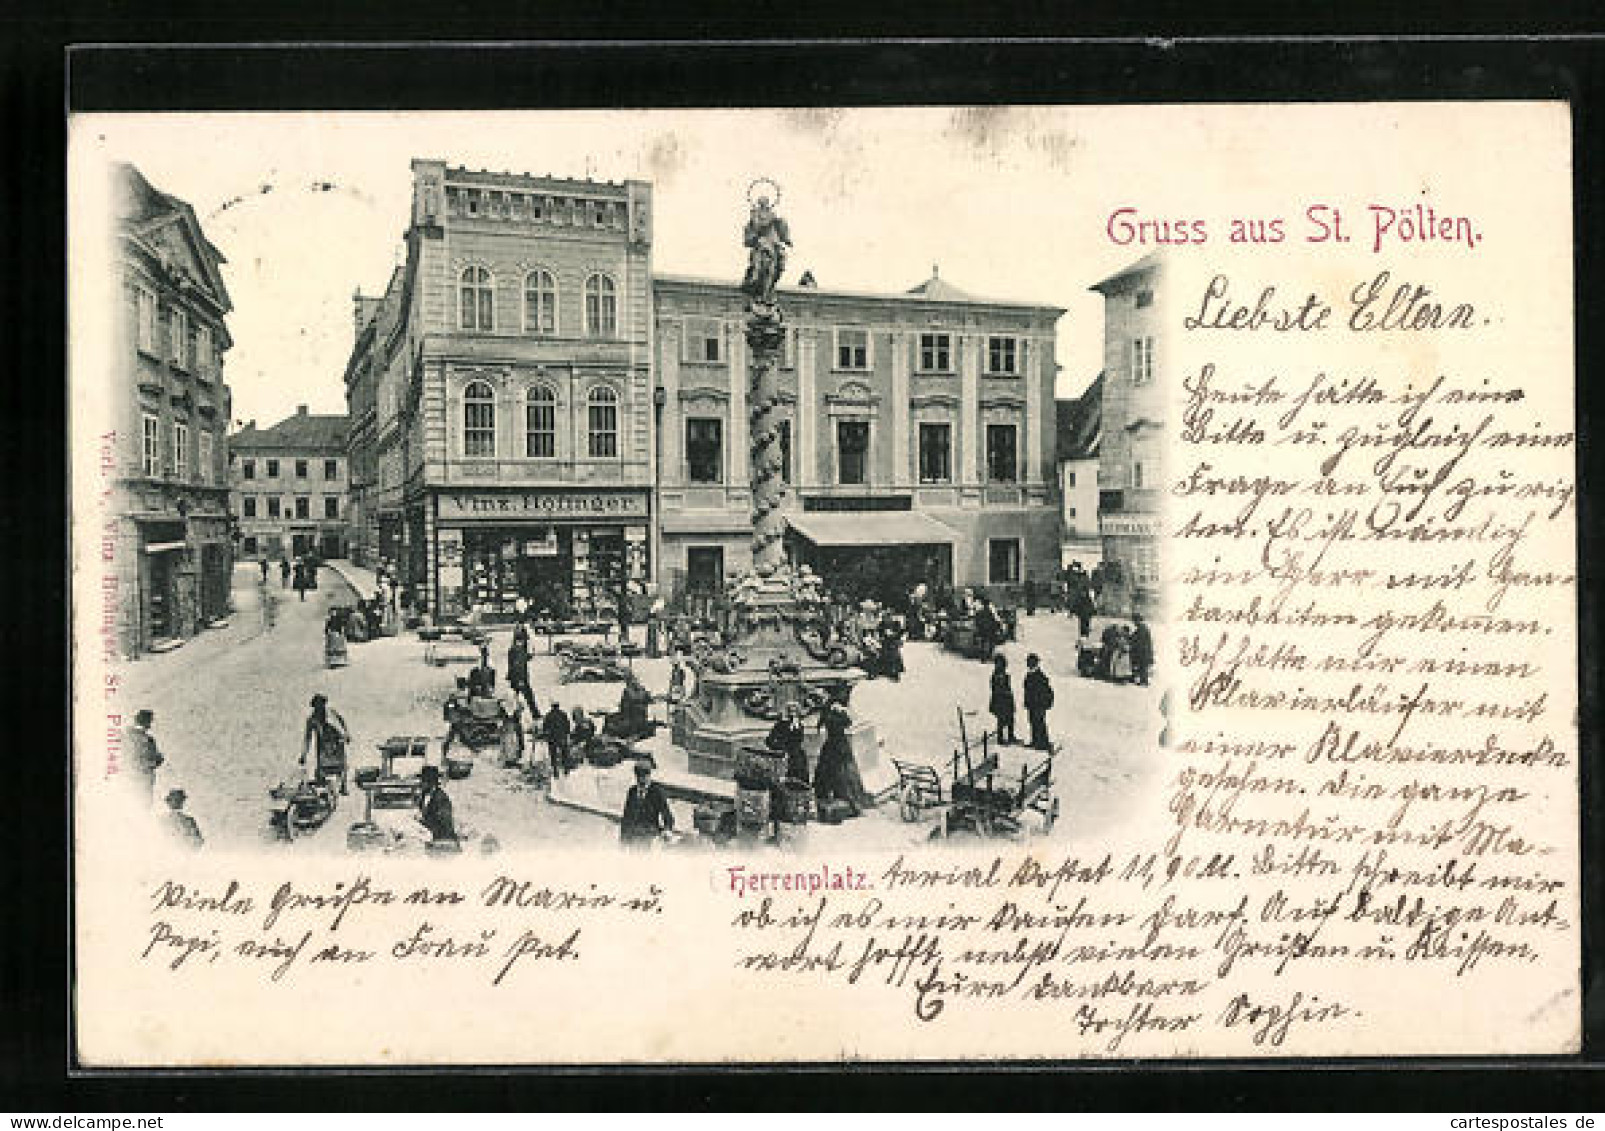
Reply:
x=757, y=768
x=752, y=807
x=794, y=802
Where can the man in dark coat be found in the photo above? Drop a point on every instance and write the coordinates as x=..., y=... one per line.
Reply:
x=1142, y=649
x=434, y=808
x=180, y=825
x=1038, y=701
x=555, y=729
x=786, y=737
x=646, y=810
x=143, y=754
x=518, y=673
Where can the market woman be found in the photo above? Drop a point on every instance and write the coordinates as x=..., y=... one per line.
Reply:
x=836, y=775
x=326, y=732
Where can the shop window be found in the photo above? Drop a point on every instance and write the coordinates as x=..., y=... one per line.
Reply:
x=540, y=424
x=331, y=507
x=248, y=506
x=704, y=568
x=303, y=507
x=205, y=457
x=300, y=469
x=601, y=307
x=1142, y=361
x=936, y=453
x=936, y=353
x=1002, y=461
x=852, y=451
x=476, y=299
x=704, y=449
x=272, y=469
x=602, y=423
x=147, y=320
x=180, y=449
x=1001, y=358
x=479, y=420
x=852, y=349
x=150, y=449
x=331, y=469
x=248, y=469
x=273, y=506
x=1003, y=561
x=540, y=303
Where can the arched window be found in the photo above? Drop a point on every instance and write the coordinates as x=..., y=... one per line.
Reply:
x=601, y=307
x=602, y=419
x=479, y=420
x=476, y=300
x=540, y=303
x=540, y=424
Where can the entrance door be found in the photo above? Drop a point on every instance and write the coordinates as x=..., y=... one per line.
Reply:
x=161, y=595
x=704, y=569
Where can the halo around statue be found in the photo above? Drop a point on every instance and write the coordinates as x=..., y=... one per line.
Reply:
x=773, y=200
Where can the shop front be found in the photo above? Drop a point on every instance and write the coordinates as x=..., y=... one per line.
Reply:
x=877, y=557
x=564, y=554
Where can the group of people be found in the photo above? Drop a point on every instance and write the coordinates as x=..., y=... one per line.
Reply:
x=302, y=573
x=835, y=777
x=1038, y=693
x=1125, y=653
x=145, y=758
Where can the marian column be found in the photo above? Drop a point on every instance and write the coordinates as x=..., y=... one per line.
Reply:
x=767, y=240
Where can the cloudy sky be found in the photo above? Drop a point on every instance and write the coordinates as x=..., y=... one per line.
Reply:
x=310, y=207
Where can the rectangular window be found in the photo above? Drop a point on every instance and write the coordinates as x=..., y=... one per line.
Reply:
x=331, y=469
x=1000, y=356
x=936, y=353
x=272, y=469
x=180, y=449
x=300, y=469
x=249, y=467
x=936, y=448
x=1144, y=298
x=1002, y=464
x=205, y=440
x=1003, y=561
x=704, y=568
x=147, y=320
x=331, y=507
x=178, y=329
x=852, y=451
x=303, y=507
x=150, y=450
x=273, y=506
x=248, y=506
x=852, y=349
x=203, y=349
x=704, y=449
x=1142, y=361
x=1139, y=475
x=1070, y=479
x=784, y=431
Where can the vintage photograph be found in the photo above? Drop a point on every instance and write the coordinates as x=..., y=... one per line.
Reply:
x=671, y=481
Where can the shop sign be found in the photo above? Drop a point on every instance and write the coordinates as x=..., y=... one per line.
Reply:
x=1129, y=526
x=577, y=505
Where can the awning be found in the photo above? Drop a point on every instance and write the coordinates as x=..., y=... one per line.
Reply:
x=872, y=528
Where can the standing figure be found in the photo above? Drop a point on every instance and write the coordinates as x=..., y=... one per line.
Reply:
x=767, y=239
x=916, y=612
x=786, y=737
x=555, y=729
x=1038, y=701
x=284, y=573
x=646, y=809
x=264, y=565
x=434, y=810
x=301, y=578
x=335, y=653
x=630, y=721
x=518, y=671
x=1142, y=649
x=891, y=637
x=143, y=754
x=179, y=824
x=1081, y=603
x=326, y=733
x=1030, y=595
x=1002, y=702
x=836, y=775
x=581, y=730
x=677, y=681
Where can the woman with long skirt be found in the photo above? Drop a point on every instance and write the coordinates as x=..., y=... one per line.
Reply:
x=836, y=775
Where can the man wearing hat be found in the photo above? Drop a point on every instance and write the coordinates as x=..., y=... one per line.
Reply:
x=434, y=808
x=179, y=824
x=1038, y=702
x=143, y=753
x=646, y=809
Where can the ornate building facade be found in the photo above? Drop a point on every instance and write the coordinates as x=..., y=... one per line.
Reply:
x=500, y=396
x=288, y=487
x=170, y=547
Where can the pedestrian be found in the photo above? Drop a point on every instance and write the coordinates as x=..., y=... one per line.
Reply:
x=1030, y=595
x=264, y=565
x=836, y=775
x=891, y=649
x=284, y=573
x=646, y=809
x=555, y=729
x=1081, y=603
x=179, y=824
x=677, y=680
x=1038, y=702
x=335, y=653
x=786, y=737
x=988, y=627
x=326, y=733
x=143, y=754
x=1141, y=643
x=518, y=672
x=434, y=810
x=631, y=720
x=301, y=579
x=1002, y=702
x=581, y=729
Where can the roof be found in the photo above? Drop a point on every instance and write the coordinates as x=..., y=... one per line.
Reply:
x=877, y=528
x=301, y=432
x=932, y=290
x=1146, y=265
x=1080, y=423
x=938, y=289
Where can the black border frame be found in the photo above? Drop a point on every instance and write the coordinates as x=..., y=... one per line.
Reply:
x=34, y=966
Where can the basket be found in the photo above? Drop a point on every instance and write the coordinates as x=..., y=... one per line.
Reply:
x=757, y=768
x=794, y=802
x=708, y=816
x=752, y=807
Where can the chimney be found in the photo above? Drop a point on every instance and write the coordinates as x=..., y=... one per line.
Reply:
x=300, y=410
